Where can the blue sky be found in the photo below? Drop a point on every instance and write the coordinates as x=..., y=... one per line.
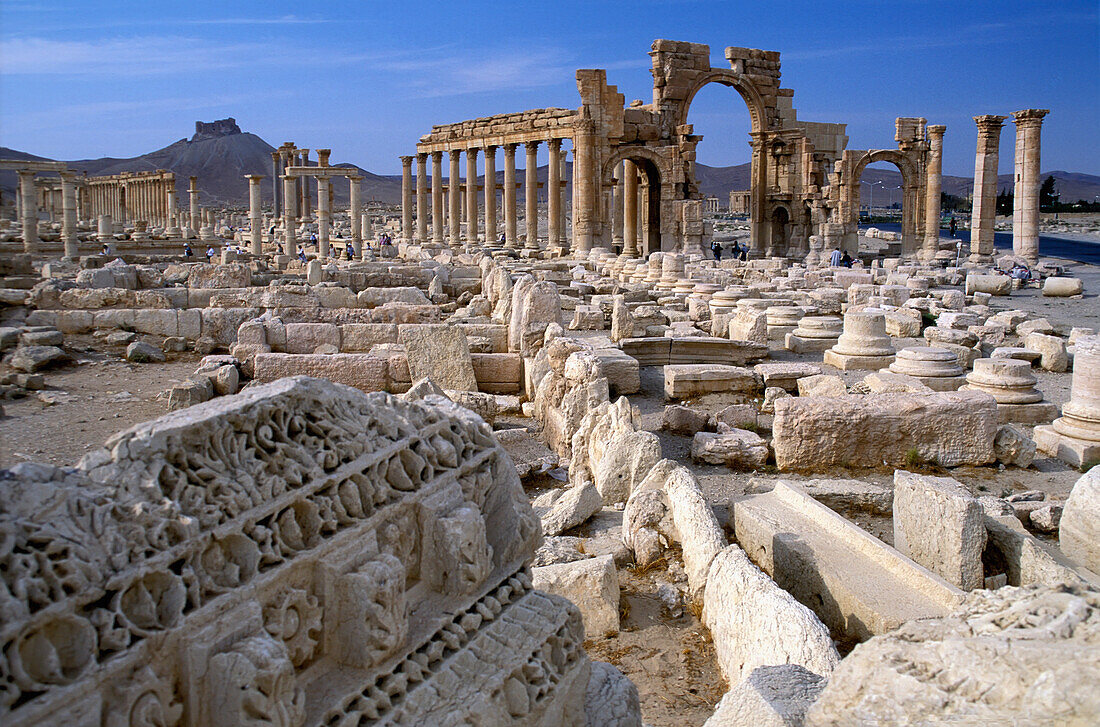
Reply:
x=89, y=79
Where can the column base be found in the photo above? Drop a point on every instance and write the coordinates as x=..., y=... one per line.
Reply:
x=1074, y=452
x=1041, y=412
x=848, y=362
x=798, y=344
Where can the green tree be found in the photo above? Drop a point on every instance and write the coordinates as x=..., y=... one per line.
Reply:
x=1047, y=197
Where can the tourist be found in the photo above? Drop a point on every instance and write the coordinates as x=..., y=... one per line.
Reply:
x=502, y=238
x=302, y=255
x=954, y=225
x=187, y=251
x=716, y=248
x=106, y=249
x=846, y=260
x=209, y=254
x=1020, y=272
x=835, y=258
x=278, y=248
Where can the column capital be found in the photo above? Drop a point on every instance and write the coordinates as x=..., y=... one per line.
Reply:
x=355, y=177
x=406, y=161
x=532, y=146
x=25, y=173
x=422, y=156
x=437, y=156
x=936, y=129
x=510, y=149
x=255, y=178
x=490, y=148
x=68, y=176
x=991, y=122
x=455, y=154
x=472, y=151
x=1032, y=116
x=554, y=144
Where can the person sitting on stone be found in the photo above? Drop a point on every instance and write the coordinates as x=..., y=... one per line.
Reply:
x=846, y=260
x=1020, y=272
x=187, y=251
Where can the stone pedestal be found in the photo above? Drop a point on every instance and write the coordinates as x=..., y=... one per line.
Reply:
x=814, y=334
x=1074, y=437
x=936, y=368
x=864, y=345
x=1011, y=383
x=782, y=320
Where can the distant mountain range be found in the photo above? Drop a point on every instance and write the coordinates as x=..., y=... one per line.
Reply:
x=220, y=155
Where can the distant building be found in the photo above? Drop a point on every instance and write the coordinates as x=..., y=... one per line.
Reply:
x=711, y=206
x=740, y=201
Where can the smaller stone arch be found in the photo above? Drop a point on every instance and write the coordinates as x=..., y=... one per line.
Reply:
x=663, y=211
x=909, y=163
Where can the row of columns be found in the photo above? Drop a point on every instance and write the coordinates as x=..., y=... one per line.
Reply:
x=152, y=200
x=28, y=211
x=447, y=215
x=324, y=208
x=1025, y=208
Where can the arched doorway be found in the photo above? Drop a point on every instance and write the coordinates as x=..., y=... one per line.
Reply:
x=887, y=192
x=780, y=233
x=654, y=223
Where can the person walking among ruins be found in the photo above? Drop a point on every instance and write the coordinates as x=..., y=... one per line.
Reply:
x=716, y=248
x=954, y=226
x=835, y=258
x=210, y=254
x=187, y=251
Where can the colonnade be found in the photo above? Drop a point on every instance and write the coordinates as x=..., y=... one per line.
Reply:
x=1025, y=208
x=324, y=173
x=463, y=204
x=145, y=196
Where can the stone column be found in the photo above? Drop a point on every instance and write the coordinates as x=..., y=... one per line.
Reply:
x=173, y=209
x=454, y=211
x=421, y=198
x=406, y=201
x=193, y=195
x=290, y=214
x=531, y=195
x=276, y=172
x=984, y=206
x=68, y=213
x=618, y=213
x=437, y=198
x=355, y=189
x=630, y=209
x=1025, y=202
x=932, y=192
x=471, y=197
x=305, y=186
x=255, y=213
x=491, y=196
x=324, y=216
x=585, y=184
x=510, y=233
x=566, y=244
x=758, y=184
x=553, y=194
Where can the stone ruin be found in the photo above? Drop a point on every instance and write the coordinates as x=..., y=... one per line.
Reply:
x=302, y=553
x=525, y=429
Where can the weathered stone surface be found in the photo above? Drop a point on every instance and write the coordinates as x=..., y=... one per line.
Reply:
x=737, y=448
x=1052, y=350
x=755, y=623
x=233, y=275
x=440, y=353
x=683, y=420
x=941, y=526
x=887, y=382
x=700, y=536
x=848, y=497
x=529, y=455
x=949, y=428
x=35, y=358
x=1063, y=287
x=42, y=338
x=1079, y=529
x=308, y=337
x=626, y=461
x=189, y=393
x=821, y=385
x=1013, y=447
x=561, y=510
x=686, y=380
x=770, y=696
x=1011, y=656
x=142, y=352
x=360, y=370
x=592, y=584
x=611, y=700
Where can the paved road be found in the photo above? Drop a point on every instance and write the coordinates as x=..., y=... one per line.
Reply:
x=1084, y=252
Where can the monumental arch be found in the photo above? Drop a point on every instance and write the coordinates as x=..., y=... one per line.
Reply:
x=803, y=181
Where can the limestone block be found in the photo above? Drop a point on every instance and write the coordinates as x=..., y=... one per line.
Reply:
x=626, y=461
x=611, y=700
x=684, y=420
x=1046, y=518
x=901, y=325
x=940, y=525
x=36, y=358
x=755, y=623
x=683, y=381
x=1079, y=528
x=936, y=335
x=849, y=497
x=785, y=375
x=737, y=416
x=359, y=370
x=142, y=352
x=949, y=428
x=1052, y=350
x=374, y=297
x=221, y=324
x=749, y=325
x=736, y=448
x=1013, y=447
x=439, y=352
x=189, y=393
x=821, y=385
x=529, y=455
x=770, y=696
x=1063, y=287
x=1025, y=656
x=887, y=382
x=1038, y=325
x=307, y=337
x=700, y=536
x=189, y=323
x=42, y=338
x=620, y=370
x=234, y=275
x=592, y=584
x=560, y=510
x=156, y=322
